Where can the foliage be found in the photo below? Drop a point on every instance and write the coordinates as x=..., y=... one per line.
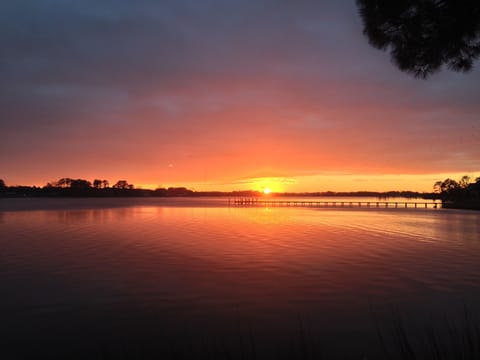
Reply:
x=63, y=183
x=451, y=190
x=122, y=184
x=97, y=183
x=424, y=35
x=80, y=184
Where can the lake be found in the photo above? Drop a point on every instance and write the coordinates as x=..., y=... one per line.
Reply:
x=182, y=278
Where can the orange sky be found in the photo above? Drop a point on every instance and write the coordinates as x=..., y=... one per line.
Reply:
x=176, y=94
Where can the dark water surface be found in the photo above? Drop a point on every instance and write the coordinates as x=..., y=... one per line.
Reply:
x=125, y=276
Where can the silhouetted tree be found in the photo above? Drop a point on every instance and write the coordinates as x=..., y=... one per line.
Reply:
x=80, y=184
x=105, y=184
x=475, y=187
x=97, y=184
x=63, y=183
x=463, y=189
x=2, y=184
x=461, y=194
x=447, y=186
x=122, y=184
x=179, y=191
x=423, y=35
x=464, y=182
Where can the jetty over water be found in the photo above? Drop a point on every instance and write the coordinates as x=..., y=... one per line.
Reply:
x=340, y=203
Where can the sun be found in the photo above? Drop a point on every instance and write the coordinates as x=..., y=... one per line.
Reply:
x=266, y=185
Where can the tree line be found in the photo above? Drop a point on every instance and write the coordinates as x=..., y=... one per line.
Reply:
x=69, y=187
x=459, y=194
x=85, y=184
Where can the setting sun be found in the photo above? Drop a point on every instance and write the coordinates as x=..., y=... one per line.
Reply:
x=267, y=191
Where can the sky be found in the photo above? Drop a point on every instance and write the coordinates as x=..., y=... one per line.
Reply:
x=223, y=95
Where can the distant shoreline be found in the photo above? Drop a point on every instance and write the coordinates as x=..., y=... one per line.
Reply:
x=90, y=192
x=57, y=192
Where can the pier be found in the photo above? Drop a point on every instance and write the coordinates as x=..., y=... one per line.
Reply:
x=340, y=204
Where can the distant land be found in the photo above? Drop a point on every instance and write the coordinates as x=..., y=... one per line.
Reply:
x=26, y=191
x=67, y=187
x=462, y=194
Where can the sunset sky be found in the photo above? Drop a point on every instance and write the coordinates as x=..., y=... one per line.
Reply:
x=224, y=95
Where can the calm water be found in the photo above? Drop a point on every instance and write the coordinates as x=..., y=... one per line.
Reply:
x=118, y=275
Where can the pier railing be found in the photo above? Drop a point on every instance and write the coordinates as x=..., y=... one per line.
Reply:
x=334, y=203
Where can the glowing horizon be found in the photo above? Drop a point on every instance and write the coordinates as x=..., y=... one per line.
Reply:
x=324, y=183
x=309, y=183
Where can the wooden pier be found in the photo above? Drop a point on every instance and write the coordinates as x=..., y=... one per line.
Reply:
x=341, y=204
